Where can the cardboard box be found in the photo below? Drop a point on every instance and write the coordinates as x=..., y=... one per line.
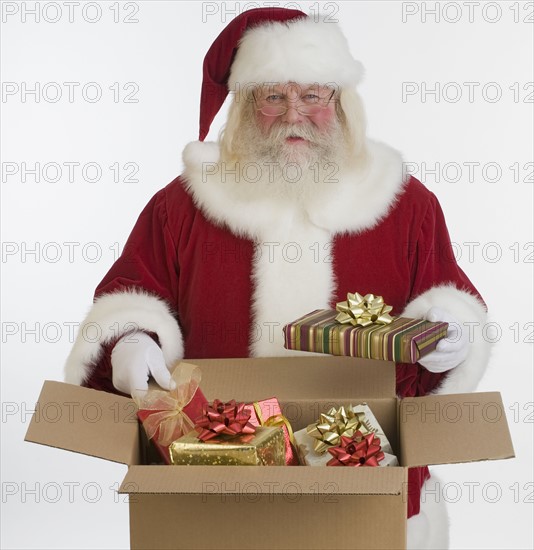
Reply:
x=280, y=506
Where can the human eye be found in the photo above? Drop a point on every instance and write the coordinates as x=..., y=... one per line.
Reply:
x=274, y=98
x=311, y=98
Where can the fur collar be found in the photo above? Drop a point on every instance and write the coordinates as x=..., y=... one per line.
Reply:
x=355, y=202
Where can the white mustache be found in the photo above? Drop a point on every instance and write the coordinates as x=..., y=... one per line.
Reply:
x=281, y=132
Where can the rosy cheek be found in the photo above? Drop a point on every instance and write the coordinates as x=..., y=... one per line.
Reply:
x=324, y=118
x=265, y=122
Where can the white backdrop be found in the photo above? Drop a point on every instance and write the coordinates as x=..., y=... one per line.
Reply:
x=114, y=101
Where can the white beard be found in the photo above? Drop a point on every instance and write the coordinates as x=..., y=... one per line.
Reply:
x=269, y=166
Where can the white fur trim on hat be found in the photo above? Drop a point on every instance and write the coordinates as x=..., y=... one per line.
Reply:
x=118, y=313
x=472, y=316
x=303, y=50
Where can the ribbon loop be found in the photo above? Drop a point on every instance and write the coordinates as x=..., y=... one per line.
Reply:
x=218, y=418
x=365, y=310
x=169, y=416
x=336, y=424
x=358, y=450
x=276, y=421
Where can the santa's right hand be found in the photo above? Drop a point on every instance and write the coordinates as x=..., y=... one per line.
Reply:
x=134, y=359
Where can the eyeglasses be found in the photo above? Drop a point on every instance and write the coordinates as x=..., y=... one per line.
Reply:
x=276, y=104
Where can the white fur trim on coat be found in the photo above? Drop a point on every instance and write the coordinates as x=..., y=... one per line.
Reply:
x=115, y=314
x=356, y=201
x=303, y=50
x=287, y=254
x=471, y=315
x=429, y=530
x=293, y=238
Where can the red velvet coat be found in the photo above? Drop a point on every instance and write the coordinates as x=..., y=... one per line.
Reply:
x=205, y=272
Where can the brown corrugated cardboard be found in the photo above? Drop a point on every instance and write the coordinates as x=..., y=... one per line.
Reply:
x=278, y=507
x=293, y=514
x=313, y=377
x=349, y=522
x=86, y=421
x=453, y=428
x=291, y=480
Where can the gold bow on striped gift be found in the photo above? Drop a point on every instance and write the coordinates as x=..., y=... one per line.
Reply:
x=365, y=310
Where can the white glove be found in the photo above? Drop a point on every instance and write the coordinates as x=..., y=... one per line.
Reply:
x=450, y=351
x=134, y=358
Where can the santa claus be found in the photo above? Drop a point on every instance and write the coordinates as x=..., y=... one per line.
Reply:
x=292, y=208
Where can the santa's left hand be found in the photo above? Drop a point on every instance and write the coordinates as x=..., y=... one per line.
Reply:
x=450, y=351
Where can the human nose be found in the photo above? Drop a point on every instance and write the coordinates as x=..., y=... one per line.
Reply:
x=292, y=115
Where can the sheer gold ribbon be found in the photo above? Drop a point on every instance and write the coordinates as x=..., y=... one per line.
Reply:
x=334, y=425
x=170, y=417
x=365, y=310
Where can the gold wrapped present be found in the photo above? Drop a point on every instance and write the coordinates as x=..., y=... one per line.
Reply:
x=265, y=447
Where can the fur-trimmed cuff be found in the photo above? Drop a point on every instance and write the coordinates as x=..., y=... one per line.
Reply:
x=118, y=313
x=471, y=315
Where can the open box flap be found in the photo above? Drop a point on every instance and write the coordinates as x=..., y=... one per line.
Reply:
x=311, y=377
x=91, y=422
x=446, y=429
x=265, y=479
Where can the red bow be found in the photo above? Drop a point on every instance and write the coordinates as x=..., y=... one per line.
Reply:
x=223, y=418
x=358, y=450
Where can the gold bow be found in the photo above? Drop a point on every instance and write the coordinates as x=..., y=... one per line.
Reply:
x=170, y=418
x=336, y=423
x=365, y=310
x=277, y=420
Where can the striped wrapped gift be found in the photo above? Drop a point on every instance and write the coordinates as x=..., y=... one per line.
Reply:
x=403, y=340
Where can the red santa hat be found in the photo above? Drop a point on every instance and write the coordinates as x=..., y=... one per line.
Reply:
x=274, y=45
